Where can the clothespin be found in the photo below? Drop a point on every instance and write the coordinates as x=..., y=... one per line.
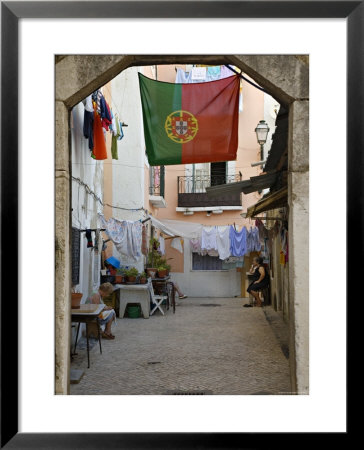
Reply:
x=234, y=226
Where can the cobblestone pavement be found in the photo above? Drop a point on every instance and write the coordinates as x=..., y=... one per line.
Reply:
x=209, y=344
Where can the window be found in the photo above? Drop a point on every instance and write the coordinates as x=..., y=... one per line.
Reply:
x=75, y=249
x=206, y=262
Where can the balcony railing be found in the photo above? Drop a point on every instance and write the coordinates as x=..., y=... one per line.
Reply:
x=156, y=182
x=192, y=191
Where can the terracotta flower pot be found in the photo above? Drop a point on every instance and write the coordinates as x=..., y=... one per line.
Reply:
x=76, y=300
x=118, y=279
x=131, y=279
x=143, y=280
x=162, y=273
x=151, y=272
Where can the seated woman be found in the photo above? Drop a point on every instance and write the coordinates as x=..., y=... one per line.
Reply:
x=261, y=279
x=107, y=315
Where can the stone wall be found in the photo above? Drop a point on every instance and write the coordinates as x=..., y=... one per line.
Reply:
x=286, y=79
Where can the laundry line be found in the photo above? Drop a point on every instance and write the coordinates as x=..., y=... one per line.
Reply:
x=97, y=198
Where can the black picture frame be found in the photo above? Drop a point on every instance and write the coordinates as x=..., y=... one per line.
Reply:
x=11, y=12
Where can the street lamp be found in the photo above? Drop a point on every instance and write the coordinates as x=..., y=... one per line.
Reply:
x=262, y=131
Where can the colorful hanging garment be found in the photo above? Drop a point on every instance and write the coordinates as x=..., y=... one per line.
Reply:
x=99, y=150
x=238, y=244
x=190, y=123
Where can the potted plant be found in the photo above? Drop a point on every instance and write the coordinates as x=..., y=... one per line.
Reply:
x=143, y=278
x=153, y=258
x=168, y=268
x=119, y=277
x=162, y=271
x=131, y=274
x=76, y=299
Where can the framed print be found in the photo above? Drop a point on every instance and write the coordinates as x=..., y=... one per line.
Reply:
x=31, y=249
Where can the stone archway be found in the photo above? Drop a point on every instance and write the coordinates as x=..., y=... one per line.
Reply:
x=285, y=77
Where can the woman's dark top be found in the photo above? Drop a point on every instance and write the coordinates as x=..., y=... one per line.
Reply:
x=262, y=284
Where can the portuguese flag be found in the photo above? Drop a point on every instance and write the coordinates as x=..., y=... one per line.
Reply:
x=190, y=123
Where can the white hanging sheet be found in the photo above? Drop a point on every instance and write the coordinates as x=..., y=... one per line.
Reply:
x=125, y=235
x=223, y=241
x=208, y=240
x=185, y=230
x=177, y=244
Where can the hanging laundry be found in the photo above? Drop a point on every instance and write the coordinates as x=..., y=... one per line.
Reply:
x=226, y=72
x=114, y=147
x=255, y=241
x=238, y=243
x=125, y=235
x=183, y=77
x=223, y=242
x=198, y=73
x=105, y=113
x=88, y=127
x=162, y=245
x=96, y=97
x=213, y=73
x=282, y=258
x=208, y=238
x=177, y=244
x=195, y=244
x=99, y=149
x=88, y=104
x=120, y=131
x=89, y=238
x=249, y=243
x=112, y=127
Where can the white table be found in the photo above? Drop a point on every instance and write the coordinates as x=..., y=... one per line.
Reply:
x=134, y=293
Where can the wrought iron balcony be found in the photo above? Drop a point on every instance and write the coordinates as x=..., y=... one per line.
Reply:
x=192, y=191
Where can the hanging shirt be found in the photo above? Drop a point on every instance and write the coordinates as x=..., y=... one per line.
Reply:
x=162, y=245
x=198, y=73
x=238, y=243
x=88, y=128
x=183, y=77
x=255, y=240
x=223, y=242
x=96, y=96
x=177, y=244
x=105, y=113
x=208, y=239
x=195, y=244
x=99, y=149
x=213, y=73
x=88, y=104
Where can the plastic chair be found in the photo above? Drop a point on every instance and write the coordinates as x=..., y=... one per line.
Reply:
x=156, y=299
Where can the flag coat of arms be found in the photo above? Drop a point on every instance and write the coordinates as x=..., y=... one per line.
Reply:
x=190, y=123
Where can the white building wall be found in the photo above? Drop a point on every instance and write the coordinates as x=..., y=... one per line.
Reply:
x=84, y=206
x=206, y=283
x=128, y=170
x=271, y=108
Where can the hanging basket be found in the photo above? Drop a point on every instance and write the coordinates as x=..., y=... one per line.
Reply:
x=76, y=300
